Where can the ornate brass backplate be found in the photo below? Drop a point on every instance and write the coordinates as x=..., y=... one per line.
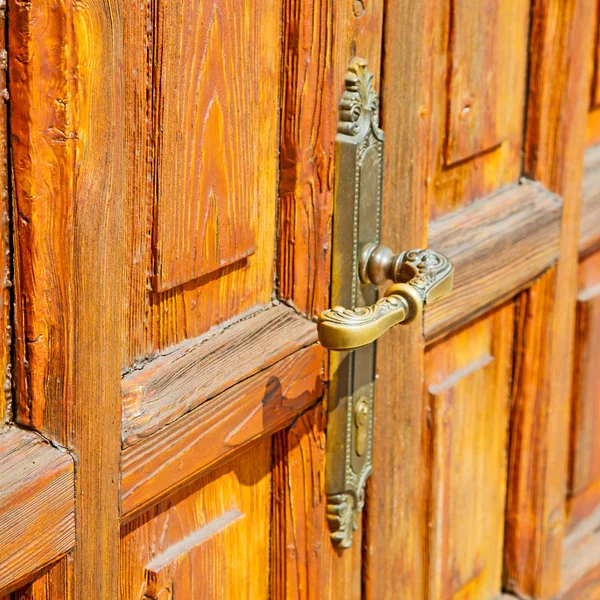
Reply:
x=357, y=222
x=357, y=318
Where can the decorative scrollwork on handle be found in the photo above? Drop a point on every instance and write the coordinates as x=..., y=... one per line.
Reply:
x=348, y=328
x=429, y=272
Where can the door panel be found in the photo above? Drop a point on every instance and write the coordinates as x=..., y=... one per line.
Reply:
x=214, y=126
x=203, y=84
x=585, y=469
x=593, y=125
x=208, y=540
x=480, y=56
x=468, y=382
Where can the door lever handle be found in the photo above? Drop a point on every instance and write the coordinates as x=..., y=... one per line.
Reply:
x=419, y=277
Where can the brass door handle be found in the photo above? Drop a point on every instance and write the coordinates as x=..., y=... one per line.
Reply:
x=419, y=277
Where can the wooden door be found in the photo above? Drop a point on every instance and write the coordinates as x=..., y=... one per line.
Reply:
x=471, y=497
x=172, y=173
x=166, y=243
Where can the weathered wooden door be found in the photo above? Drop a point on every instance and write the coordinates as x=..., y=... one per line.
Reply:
x=172, y=172
x=487, y=482
x=168, y=200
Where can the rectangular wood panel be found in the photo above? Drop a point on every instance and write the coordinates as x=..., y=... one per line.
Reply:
x=468, y=381
x=595, y=96
x=210, y=540
x=474, y=105
x=593, y=129
x=478, y=118
x=201, y=97
x=589, y=234
x=585, y=459
x=215, y=111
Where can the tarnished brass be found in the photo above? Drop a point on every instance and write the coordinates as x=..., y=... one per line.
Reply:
x=359, y=262
x=361, y=422
x=425, y=272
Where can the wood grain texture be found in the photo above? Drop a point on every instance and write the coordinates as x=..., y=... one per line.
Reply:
x=580, y=565
x=5, y=247
x=209, y=540
x=475, y=111
x=170, y=386
x=529, y=420
x=52, y=584
x=215, y=106
x=254, y=408
x=468, y=383
x=589, y=234
x=161, y=160
x=304, y=564
x=37, y=506
x=595, y=92
x=320, y=39
x=477, y=115
x=395, y=512
x=505, y=241
x=558, y=98
x=593, y=122
x=66, y=137
x=584, y=484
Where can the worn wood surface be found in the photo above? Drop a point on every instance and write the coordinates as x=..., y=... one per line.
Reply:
x=185, y=160
x=208, y=540
x=468, y=384
x=320, y=39
x=170, y=386
x=529, y=418
x=37, y=506
x=214, y=107
x=581, y=561
x=593, y=122
x=5, y=246
x=589, y=234
x=52, y=584
x=505, y=241
x=477, y=116
x=558, y=99
x=477, y=96
x=255, y=407
x=66, y=137
x=304, y=564
x=584, y=484
x=395, y=510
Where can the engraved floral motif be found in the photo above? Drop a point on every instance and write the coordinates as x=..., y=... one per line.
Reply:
x=432, y=268
x=343, y=509
x=359, y=106
x=362, y=314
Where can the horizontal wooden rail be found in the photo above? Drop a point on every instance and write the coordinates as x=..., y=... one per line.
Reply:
x=195, y=371
x=498, y=245
x=257, y=406
x=37, y=500
x=589, y=235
